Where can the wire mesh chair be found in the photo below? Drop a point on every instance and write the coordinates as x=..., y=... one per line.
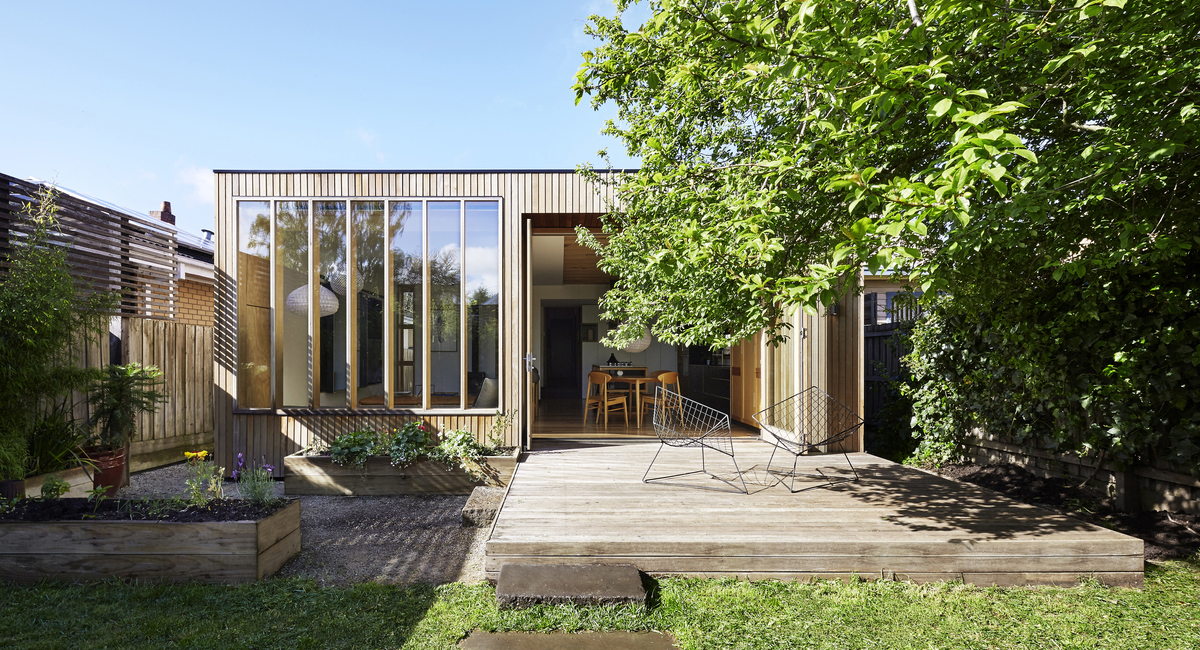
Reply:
x=808, y=421
x=681, y=422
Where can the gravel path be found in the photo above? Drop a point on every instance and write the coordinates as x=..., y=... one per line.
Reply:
x=344, y=540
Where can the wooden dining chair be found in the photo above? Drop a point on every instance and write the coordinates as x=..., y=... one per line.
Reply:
x=601, y=399
x=668, y=380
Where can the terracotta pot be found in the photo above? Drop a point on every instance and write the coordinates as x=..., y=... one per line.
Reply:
x=12, y=489
x=110, y=469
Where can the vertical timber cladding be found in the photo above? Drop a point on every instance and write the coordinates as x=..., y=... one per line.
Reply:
x=271, y=434
x=822, y=350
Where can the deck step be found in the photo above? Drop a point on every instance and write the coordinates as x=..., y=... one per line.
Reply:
x=568, y=641
x=524, y=585
x=482, y=506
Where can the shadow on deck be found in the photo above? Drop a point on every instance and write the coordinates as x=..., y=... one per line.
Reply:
x=583, y=501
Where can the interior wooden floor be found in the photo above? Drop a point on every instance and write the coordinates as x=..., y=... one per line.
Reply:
x=563, y=418
x=584, y=501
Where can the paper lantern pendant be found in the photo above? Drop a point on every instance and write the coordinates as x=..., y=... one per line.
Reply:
x=639, y=345
x=297, y=301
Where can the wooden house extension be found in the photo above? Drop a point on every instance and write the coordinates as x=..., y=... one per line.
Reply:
x=354, y=299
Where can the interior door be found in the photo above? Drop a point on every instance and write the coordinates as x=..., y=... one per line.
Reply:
x=562, y=357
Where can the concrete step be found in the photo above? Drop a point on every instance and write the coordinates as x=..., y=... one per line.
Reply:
x=482, y=506
x=568, y=641
x=523, y=585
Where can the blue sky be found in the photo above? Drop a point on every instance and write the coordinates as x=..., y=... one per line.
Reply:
x=136, y=103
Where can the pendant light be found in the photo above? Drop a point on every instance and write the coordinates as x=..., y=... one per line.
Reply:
x=297, y=301
x=639, y=345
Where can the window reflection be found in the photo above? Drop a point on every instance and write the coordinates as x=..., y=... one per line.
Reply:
x=330, y=317
x=329, y=219
x=254, y=304
x=483, y=302
x=408, y=301
x=445, y=303
x=293, y=295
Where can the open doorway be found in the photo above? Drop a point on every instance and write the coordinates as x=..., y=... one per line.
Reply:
x=561, y=354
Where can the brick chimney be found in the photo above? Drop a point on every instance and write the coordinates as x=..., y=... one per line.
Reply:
x=164, y=214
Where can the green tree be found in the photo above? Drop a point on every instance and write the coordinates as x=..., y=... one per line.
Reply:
x=43, y=315
x=787, y=144
x=1034, y=160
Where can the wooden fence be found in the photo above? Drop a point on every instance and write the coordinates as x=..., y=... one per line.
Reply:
x=881, y=363
x=184, y=353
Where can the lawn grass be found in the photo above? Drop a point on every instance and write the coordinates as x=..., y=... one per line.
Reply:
x=295, y=614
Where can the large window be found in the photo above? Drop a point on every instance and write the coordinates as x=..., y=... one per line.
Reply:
x=368, y=304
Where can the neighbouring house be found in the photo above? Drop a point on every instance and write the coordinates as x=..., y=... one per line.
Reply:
x=193, y=302
x=353, y=299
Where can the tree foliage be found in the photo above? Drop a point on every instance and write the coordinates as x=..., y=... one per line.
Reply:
x=787, y=144
x=1035, y=161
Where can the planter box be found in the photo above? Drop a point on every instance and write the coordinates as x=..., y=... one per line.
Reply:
x=217, y=552
x=320, y=475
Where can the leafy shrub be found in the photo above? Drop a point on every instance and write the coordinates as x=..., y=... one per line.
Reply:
x=54, y=487
x=407, y=444
x=1105, y=369
x=42, y=318
x=354, y=448
x=460, y=448
x=119, y=396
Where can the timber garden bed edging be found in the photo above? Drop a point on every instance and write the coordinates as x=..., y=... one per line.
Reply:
x=319, y=475
x=224, y=552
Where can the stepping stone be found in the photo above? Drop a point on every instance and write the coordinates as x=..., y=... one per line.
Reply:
x=523, y=585
x=568, y=641
x=482, y=506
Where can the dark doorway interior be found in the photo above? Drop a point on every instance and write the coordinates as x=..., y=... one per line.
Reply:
x=563, y=354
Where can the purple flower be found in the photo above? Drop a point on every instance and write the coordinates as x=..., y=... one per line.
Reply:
x=269, y=468
x=235, y=475
x=240, y=461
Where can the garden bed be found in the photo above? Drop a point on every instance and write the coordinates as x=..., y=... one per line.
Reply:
x=146, y=541
x=320, y=475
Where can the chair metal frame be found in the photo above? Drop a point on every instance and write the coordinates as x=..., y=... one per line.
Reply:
x=808, y=421
x=685, y=423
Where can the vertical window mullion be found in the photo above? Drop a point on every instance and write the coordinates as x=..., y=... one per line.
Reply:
x=276, y=314
x=462, y=305
x=351, y=309
x=426, y=320
x=389, y=337
x=314, y=296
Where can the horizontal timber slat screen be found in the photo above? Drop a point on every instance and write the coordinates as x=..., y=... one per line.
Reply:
x=109, y=250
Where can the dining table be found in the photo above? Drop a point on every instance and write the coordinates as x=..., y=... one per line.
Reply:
x=636, y=384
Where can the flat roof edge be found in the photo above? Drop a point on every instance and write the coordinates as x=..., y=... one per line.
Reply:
x=417, y=171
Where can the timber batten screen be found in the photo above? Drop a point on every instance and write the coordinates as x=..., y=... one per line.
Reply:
x=108, y=250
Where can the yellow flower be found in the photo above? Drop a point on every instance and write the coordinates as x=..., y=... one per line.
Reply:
x=195, y=455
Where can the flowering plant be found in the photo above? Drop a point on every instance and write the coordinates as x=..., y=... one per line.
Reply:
x=255, y=483
x=204, y=481
x=407, y=444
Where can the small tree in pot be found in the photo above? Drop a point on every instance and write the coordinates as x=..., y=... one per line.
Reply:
x=118, y=398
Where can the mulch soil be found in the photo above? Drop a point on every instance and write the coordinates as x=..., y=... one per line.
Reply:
x=138, y=510
x=1168, y=535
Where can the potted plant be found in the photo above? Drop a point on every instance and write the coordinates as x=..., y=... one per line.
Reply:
x=120, y=395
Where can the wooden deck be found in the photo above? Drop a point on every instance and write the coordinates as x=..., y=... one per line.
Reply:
x=584, y=502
